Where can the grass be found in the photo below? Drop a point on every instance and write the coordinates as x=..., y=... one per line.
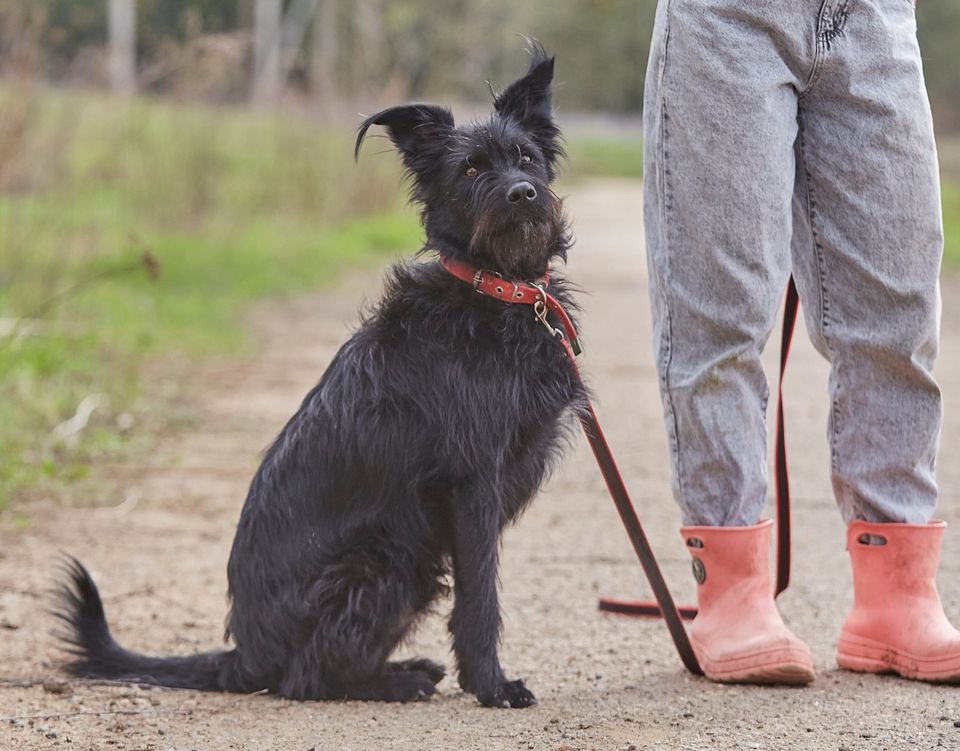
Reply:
x=607, y=157
x=137, y=232
x=949, y=152
x=951, y=223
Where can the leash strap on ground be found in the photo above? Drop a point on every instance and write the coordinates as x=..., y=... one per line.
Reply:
x=654, y=609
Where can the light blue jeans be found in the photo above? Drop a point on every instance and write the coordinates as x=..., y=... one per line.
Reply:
x=794, y=135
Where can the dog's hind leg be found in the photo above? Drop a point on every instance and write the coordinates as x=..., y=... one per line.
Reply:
x=435, y=670
x=361, y=605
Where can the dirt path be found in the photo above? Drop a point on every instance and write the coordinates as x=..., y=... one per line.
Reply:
x=603, y=682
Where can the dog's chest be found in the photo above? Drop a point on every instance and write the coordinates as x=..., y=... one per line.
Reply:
x=520, y=377
x=488, y=378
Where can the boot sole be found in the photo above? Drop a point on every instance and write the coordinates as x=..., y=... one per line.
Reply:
x=862, y=655
x=786, y=674
x=787, y=667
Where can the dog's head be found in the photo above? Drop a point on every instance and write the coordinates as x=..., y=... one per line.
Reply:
x=484, y=188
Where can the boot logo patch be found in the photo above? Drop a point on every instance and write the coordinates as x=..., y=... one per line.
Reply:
x=699, y=571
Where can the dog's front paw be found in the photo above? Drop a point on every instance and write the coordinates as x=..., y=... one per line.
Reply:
x=508, y=695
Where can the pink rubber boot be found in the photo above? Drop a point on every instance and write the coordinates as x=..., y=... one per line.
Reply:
x=897, y=624
x=738, y=635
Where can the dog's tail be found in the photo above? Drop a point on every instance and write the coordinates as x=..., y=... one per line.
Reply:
x=98, y=655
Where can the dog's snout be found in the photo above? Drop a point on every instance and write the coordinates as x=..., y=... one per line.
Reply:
x=521, y=192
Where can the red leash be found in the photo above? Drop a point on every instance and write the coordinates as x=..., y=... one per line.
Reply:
x=535, y=293
x=689, y=612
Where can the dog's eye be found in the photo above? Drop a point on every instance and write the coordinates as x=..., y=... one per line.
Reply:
x=470, y=171
x=525, y=159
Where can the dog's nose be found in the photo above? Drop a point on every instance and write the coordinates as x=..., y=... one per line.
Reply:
x=522, y=191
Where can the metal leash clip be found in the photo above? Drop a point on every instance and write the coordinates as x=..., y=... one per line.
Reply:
x=540, y=310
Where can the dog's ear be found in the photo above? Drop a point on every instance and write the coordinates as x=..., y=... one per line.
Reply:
x=413, y=128
x=527, y=100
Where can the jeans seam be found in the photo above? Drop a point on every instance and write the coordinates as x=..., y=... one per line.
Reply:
x=666, y=353
x=666, y=337
x=824, y=307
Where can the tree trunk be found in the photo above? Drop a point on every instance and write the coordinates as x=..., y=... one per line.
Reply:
x=296, y=22
x=266, y=49
x=324, y=52
x=122, y=22
x=368, y=20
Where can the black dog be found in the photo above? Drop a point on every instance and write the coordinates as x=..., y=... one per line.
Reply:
x=431, y=430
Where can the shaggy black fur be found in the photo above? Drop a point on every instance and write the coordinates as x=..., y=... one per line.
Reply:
x=432, y=429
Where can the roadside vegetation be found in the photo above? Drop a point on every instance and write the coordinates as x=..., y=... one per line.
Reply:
x=951, y=224
x=596, y=156
x=950, y=170
x=135, y=233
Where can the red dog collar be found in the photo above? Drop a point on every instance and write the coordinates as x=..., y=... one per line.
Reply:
x=492, y=284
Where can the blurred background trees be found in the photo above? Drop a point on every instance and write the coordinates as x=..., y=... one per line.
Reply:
x=349, y=49
x=330, y=51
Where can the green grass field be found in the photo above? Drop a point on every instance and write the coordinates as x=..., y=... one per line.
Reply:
x=134, y=233
x=951, y=223
x=592, y=156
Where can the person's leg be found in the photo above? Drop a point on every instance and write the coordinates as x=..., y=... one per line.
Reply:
x=867, y=247
x=720, y=123
x=867, y=256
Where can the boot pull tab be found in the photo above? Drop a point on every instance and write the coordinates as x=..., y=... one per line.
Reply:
x=871, y=540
